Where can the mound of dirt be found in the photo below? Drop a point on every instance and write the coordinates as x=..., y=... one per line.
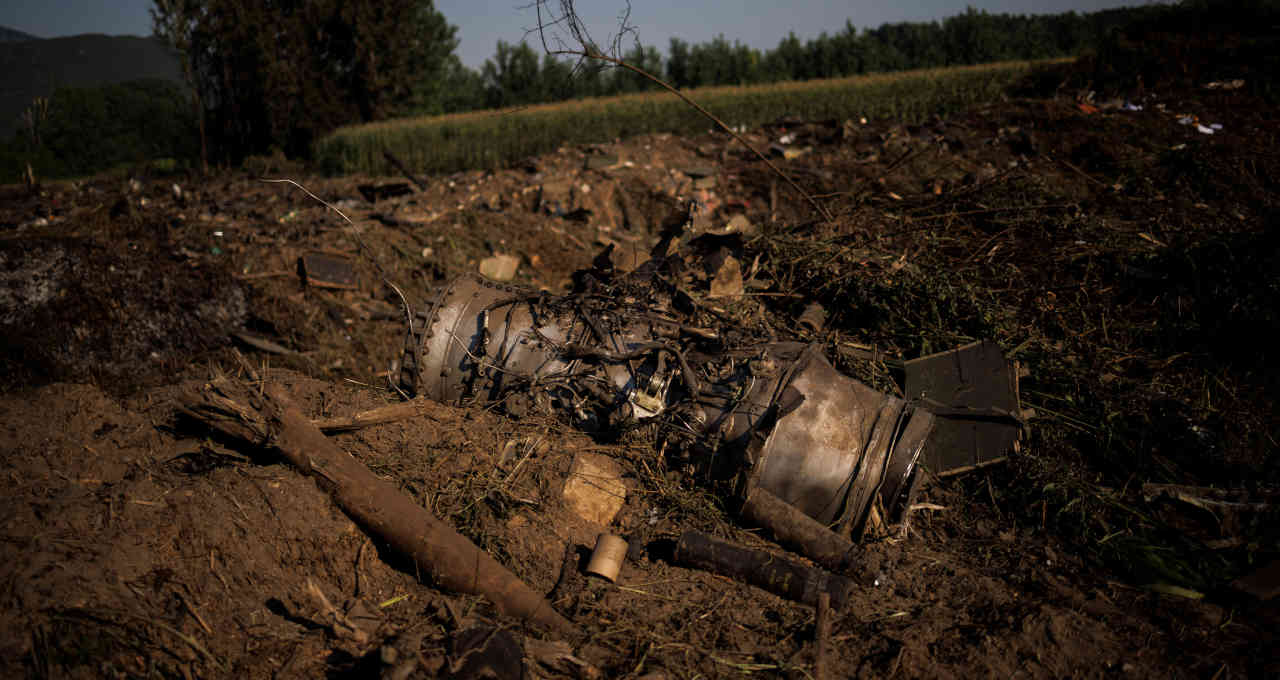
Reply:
x=1107, y=249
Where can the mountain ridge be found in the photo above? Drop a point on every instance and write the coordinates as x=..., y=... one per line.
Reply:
x=13, y=35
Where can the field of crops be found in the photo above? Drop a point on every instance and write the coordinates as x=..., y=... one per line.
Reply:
x=489, y=139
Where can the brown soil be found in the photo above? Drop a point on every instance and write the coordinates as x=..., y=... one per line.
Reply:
x=1129, y=261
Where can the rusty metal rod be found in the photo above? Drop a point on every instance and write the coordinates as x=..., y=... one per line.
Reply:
x=779, y=576
x=804, y=534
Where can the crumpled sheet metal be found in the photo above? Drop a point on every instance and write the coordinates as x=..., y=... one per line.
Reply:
x=821, y=441
x=973, y=391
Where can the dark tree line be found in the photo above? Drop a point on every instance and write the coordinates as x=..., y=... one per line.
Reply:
x=516, y=75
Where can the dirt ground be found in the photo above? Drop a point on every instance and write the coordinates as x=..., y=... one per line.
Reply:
x=1130, y=262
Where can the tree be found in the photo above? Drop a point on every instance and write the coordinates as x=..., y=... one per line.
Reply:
x=92, y=128
x=973, y=38
x=560, y=82
x=174, y=22
x=678, y=68
x=721, y=63
x=644, y=58
x=283, y=72
x=458, y=89
x=786, y=61
x=824, y=54
x=512, y=77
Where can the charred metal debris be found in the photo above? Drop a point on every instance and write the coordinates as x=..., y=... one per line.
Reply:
x=813, y=455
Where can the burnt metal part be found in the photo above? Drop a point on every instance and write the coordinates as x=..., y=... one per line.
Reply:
x=485, y=652
x=380, y=192
x=323, y=270
x=813, y=318
x=973, y=391
x=830, y=455
x=777, y=414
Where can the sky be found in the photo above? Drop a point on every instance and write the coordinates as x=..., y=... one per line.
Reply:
x=481, y=24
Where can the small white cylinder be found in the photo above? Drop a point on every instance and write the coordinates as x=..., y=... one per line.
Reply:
x=606, y=560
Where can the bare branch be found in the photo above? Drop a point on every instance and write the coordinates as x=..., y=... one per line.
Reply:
x=567, y=18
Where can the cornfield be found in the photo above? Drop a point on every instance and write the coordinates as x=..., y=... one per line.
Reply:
x=491, y=139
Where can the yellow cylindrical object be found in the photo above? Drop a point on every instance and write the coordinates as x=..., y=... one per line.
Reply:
x=606, y=560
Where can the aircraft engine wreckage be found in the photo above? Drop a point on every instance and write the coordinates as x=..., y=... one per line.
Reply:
x=774, y=420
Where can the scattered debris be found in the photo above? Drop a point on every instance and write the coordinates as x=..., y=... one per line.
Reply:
x=679, y=606
x=788, y=152
x=822, y=635
x=339, y=624
x=1200, y=127
x=325, y=270
x=389, y=220
x=1212, y=499
x=738, y=224
x=826, y=444
x=485, y=652
x=1232, y=510
x=1234, y=84
x=600, y=161
x=380, y=192
x=1263, y=583
x=260, y=344
x=499, y=267
x=393, y=160
x=378, y=416
x=556, y=198
x=699, y=171
x=727, y=283
x=556, y=659
x=793, y=528
x=594, y=488
x=568, y=584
